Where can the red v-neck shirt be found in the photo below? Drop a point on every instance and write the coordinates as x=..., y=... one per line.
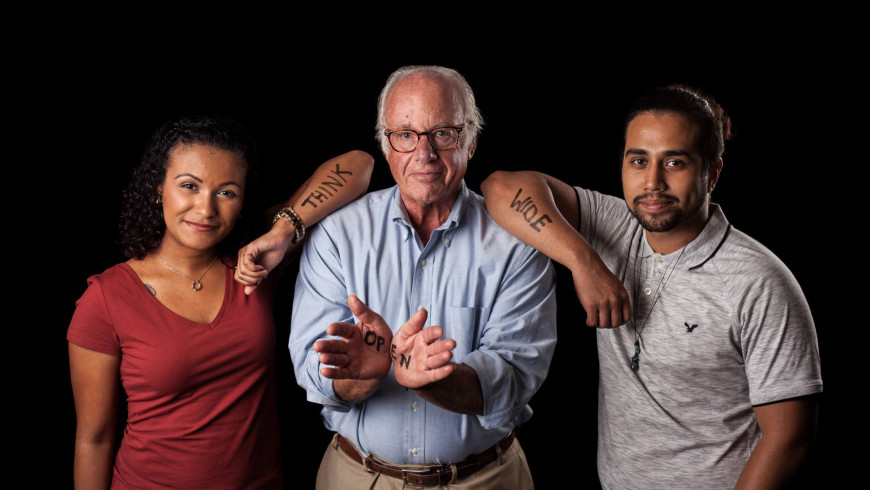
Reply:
x=200, y=397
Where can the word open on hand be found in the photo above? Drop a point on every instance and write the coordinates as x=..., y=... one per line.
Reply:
x=404, y=361
x=371, y=338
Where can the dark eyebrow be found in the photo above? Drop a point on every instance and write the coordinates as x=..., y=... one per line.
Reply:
x=678, y=153
x=222, y=184
x=194, y=177
x=668, y=153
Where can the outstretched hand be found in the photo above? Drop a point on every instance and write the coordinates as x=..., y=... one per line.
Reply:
x=362, y=352
x=602, y=295
x=261, y=256
x=419, y=358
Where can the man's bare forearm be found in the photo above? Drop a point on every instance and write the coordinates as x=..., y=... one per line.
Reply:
x=543, y=212
x=460, y=392
x=539, y=210
x=355, y=390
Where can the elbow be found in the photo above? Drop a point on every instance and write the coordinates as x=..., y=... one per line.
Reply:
x=801, y=446
x=497, y=186
x=494, y=182
x=797, y=455
x=502, y=182
x=363, y=165
x=794, y=450
x=95, y=436
x=363, y=160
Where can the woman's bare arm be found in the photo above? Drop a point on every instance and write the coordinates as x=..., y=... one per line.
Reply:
x=94, y=377
x=335, y=183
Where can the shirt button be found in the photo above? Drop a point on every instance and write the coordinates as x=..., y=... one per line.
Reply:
x=657, y=260
x=647, y=291
x=423, y=262
x=404, y=236
x=447, y=241
x=414, y=451
x=414, y=406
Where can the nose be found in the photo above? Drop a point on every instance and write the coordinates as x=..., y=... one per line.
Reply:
x=206, y=204
x=424, y=152
x=654, y=178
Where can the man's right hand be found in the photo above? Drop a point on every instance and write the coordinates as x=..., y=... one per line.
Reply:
x=602, y=295
x=363, y=352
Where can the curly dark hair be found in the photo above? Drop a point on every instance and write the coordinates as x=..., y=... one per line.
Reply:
x=710, y=118
x=142, y=225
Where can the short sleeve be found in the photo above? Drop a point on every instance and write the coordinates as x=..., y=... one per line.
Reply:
x=604, y=219
x=779, y=339
x=91, y=326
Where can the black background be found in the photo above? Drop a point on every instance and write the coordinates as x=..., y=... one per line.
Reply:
x=554, y=108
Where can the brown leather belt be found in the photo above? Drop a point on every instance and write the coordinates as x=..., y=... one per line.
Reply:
x=434, y=475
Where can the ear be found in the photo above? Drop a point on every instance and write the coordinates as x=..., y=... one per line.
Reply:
x=713, y=174
x=472, y=148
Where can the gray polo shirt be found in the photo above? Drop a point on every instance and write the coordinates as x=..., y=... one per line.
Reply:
x=723, y=326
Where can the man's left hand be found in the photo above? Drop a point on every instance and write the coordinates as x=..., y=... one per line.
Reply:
x=419, y=357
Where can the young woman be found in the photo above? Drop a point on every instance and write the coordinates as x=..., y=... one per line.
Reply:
x=192, y=347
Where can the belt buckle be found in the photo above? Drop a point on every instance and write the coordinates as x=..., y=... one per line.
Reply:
x=405, y=475
x=406, y=472
x=367, y=463
x=438, y=470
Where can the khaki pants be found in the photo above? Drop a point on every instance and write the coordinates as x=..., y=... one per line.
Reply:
x=339, y=472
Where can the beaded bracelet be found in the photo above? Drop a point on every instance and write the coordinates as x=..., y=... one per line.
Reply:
x=294, y=220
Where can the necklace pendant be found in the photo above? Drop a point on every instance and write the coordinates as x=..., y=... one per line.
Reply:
x=635, y=359
x=196, y=284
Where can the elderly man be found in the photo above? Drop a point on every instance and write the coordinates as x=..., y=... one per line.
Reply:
x=424, y=252
x=708, y=383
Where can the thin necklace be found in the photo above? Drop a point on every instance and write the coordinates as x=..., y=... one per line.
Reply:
x=635, y=359
x=196, y=284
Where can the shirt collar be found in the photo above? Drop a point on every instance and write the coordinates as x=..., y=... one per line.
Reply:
x=705, y=245
x=399, y=214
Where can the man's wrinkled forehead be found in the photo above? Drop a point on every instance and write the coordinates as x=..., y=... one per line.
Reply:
x=423, y=98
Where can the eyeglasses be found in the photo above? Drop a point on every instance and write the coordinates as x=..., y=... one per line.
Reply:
x=405, y=140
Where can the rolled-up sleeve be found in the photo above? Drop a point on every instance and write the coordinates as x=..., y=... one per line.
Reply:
x=319, y=300
x=517, y=340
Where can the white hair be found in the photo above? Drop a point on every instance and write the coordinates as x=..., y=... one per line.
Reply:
x=473, y=119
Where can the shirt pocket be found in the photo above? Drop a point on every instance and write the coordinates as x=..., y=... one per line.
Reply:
x=464, y=325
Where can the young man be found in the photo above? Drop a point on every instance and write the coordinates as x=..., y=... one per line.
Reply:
x=707, y=371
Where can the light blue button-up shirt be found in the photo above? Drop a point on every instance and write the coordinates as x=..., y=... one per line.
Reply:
x=490, y=292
